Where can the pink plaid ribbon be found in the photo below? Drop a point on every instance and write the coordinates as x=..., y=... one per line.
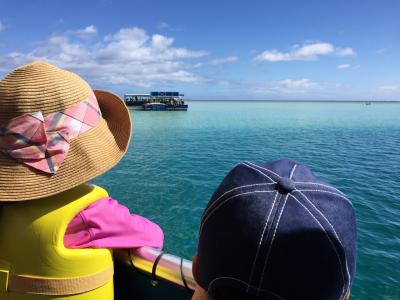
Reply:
x=43, y=142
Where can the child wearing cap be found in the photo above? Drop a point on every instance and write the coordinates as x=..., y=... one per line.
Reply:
x=275, y=231
x=56, y=230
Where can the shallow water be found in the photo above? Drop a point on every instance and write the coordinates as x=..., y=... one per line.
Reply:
x=176, y=160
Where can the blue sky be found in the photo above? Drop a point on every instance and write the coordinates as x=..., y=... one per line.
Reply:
x=316, y=50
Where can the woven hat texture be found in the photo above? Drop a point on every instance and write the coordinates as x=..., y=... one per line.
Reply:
x=40, y=86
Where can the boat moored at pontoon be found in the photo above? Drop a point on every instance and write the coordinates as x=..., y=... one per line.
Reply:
x=156, y=101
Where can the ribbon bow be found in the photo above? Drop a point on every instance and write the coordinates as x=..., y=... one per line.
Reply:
x=43, y=142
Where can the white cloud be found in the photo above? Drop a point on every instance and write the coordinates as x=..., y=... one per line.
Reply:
x=312, y=51
x=224, y=60
x=85, y=33
x=130, y=57
x=59, y=22
x=309, y=51
x=289, y=86
x=273, y=55
x=381, y=50
x=163, y=25
x=90, y=29
x=390, y=88
x=161, y=42
x=343, y=66
x=387, y=92
x=345, y=52
x=2, y=26
x=133, y=44
x=217, y=61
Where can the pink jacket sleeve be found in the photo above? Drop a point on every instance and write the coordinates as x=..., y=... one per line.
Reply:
x=108, y=224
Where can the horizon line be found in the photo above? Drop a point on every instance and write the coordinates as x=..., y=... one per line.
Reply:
x=286, y=100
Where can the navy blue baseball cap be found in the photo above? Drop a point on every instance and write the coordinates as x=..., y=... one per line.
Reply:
x=276, y=231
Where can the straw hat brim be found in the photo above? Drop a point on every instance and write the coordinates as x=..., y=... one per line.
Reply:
x=90, y=155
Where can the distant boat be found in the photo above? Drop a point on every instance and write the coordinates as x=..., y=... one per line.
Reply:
x=368, y=103
x=164, y=106
x=156, y=101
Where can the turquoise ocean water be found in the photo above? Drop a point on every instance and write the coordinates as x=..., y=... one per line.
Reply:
x=176, y=160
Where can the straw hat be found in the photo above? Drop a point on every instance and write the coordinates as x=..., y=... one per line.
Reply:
x=43, y=87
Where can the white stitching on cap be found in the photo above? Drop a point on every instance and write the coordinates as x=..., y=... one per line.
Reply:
x=309, y=201
x=292, y=172
x=254, y=165
x=270, y=247
x=322, y=191
x=226, y=200
x=320, y=184
x=265, y=175
x=326, y=219
x=261, y=238
x=231, y=190
x=242, y=282
x=329, y=239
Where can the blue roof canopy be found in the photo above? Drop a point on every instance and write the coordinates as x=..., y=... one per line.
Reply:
x=165, y=94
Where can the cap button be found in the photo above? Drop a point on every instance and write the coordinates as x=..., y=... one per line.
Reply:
x=285, y=185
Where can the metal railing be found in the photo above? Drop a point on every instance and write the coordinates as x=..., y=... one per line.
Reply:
x=160, y=265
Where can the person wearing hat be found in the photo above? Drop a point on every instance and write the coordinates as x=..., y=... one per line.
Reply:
x=275, y=231
x=56, y=230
